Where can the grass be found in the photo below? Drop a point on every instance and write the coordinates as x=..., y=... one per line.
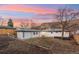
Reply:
x=42, y=45
x=45, y=42
x=20, y=47
x=55, y=45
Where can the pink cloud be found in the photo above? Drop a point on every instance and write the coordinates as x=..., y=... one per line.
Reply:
x=23, y=8
x=17, y=22
x=30, y=9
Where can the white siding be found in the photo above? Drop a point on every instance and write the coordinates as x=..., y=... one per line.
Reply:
x=59, y=34
x=46, y=34
x=28, y=35
x=20, y=35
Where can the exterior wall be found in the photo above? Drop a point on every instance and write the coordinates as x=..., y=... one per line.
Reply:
x=23, y=35
x=20, y=35
x=45, y=34
x=54, y=34
x=59, y=34
x=27, y=35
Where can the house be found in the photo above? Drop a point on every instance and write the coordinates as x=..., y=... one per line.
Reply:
x=31, y=33
x=27, y=33
x=5, y=30
x=57, y=32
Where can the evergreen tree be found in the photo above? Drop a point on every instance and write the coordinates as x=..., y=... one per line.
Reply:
x=10, y=23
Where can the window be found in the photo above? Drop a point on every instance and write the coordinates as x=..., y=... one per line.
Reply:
x=36, y=32
x=56, y=31
x=23, y=34
x=51, y=32
x=33, y=33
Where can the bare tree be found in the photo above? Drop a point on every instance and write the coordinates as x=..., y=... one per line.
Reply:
x=1, y=21
x=65, y=16
x=23, y=25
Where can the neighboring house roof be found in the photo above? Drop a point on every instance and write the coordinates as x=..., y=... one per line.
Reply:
x=73, y=28
x=6, y=27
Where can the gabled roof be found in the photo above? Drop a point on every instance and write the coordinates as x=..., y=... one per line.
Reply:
x=33, y=30
x=27, y=30
x=55, y=30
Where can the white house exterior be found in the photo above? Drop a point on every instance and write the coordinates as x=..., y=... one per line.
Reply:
x=30, y=33
x=27, y=33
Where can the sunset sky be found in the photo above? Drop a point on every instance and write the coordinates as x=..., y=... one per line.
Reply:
x=36, y=12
